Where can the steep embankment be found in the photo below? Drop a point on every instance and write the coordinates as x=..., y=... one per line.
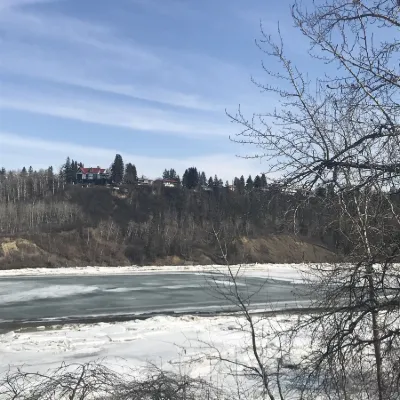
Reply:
x=143, y=226
x=19, y=253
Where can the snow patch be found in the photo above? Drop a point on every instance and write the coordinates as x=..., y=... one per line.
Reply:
x=121, y=290
x=50, y=292
x=290, y=272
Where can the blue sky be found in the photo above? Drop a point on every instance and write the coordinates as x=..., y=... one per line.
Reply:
x=149, y=79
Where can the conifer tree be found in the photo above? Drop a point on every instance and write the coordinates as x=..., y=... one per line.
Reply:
x=203, y=179
x=263, y=181
x=190, y=178
x=249, y=183
x=117, y=169
x=130, y=176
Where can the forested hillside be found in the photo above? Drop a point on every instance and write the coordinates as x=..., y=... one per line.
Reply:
x=46, y=221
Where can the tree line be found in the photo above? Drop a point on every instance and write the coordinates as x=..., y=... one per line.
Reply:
x=24, y=184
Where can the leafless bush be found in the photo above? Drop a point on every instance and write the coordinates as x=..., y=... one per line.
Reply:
x=96, y=381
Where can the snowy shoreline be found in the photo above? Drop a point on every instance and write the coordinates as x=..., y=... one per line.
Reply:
x=130, y=343
x=291, y=272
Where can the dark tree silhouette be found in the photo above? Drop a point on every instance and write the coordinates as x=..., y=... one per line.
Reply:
x=190, y=178
x=130, y=176
x=117, y=169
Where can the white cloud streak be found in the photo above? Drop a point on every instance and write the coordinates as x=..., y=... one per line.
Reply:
x=105, y=112
x=68, y=50
x=113, y=74
x=9, y=4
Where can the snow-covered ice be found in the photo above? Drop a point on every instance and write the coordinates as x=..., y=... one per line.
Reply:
x=162, y=340
x=291, y=272
x=50, y=292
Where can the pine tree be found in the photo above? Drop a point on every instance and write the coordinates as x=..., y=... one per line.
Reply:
x=172, y=174
x=50, y=178
x=169, y=174
x=257, y=182
x=210, y=182
x=74, y=170
x=23, y=171
x=263, y=181
x=30, y=171
x=249, y=183
x=3, y=171
x=203, y=179
x=216, y=181
x=117, y=169
x=67, y=171
x=50, y=172
x=242, y=184
x=130, y=174
x=190, y=178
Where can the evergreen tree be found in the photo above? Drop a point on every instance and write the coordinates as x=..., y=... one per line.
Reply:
x=50, y=178
x=3, y=171
x=236, y=183
x=172, y=174
x=30, y=171
x=203, y=179
x=74, y=170
x=263, y=181
x=130, y=174
x=190, y=178
x=169, y=174
x=117, y=169
x=210, y=182
x=249, y=183
x=216, y=181
x=257, y=182
x=67, y=171
x=242, y=184
x=227, y=184
x=23, y=171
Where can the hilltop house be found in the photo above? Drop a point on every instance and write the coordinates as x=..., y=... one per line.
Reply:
x=144, y=181
x=97, y=176
x=172, y=183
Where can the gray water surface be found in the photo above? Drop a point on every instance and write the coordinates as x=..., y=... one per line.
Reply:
x=55, y=299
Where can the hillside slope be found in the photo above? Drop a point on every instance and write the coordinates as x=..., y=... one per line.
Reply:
x=99, y=226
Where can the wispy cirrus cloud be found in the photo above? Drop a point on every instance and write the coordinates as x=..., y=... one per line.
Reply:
x=9, y=4
x=90, y=68
x=93, y=56
x=104, y=112
x=63, y=71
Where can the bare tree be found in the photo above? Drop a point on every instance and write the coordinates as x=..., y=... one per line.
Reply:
x=341, y=131
x=96, y=381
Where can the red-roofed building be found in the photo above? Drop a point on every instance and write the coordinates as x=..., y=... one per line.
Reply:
x=97, y=175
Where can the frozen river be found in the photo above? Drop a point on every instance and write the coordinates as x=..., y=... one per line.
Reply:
x=52, y=299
